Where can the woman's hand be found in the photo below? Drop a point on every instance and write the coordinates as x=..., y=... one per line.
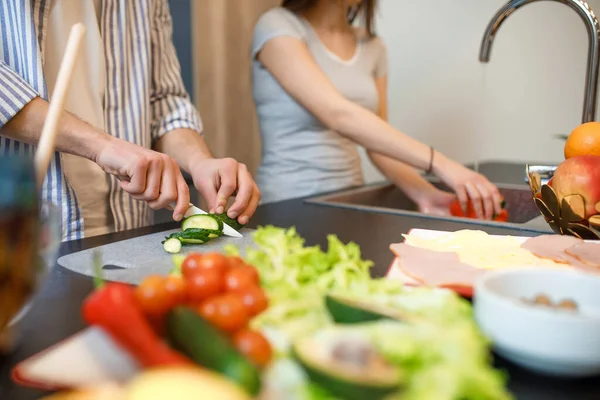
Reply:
x=467, y=183
x=435, y=202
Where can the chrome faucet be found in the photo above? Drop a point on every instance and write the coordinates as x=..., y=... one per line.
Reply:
x=593, y=30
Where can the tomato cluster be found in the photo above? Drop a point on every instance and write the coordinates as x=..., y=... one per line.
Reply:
x=457, y=211
x=225, y=291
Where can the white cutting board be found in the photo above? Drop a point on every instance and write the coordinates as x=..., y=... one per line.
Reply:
x=139, y=257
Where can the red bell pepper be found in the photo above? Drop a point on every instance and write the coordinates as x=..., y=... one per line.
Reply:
x=113, y=308
x=456, y=211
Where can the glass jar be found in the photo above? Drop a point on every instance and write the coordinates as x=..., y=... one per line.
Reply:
x=19, y=228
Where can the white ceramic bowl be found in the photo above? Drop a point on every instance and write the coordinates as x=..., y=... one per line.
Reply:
x=548, y=341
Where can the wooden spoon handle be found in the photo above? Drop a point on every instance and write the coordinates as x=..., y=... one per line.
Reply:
x=45, y=147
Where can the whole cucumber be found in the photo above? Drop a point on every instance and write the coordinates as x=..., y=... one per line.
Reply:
x=195, y=337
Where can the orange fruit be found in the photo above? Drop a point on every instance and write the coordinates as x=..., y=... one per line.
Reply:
x=584, y=140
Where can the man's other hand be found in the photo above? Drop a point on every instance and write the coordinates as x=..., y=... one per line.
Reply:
x=219, y=179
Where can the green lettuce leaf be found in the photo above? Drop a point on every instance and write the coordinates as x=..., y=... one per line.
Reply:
x=441, y=364
x=443, y=353
x=284, y=262
x=177, y=261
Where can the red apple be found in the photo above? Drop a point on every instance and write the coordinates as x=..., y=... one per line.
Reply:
x=579, y=175
x=539, y=192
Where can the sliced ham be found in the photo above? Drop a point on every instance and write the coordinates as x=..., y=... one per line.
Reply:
x=435, y=268
x=553, y=247
x=587, y=253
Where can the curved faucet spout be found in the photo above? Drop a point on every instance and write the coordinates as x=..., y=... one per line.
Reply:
x=593, y=30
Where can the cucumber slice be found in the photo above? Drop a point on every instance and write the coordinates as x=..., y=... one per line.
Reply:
x=193, y=236
x=172, y=245
x=194, y=241
x=203, y=221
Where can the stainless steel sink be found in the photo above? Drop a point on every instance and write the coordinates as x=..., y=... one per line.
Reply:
x=387, y=198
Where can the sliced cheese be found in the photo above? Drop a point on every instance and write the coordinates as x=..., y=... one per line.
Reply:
x=481, y=250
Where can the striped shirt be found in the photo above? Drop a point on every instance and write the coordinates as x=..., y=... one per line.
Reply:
x=145, y=96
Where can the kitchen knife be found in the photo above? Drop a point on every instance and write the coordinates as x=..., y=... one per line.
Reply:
x=227, y=230
x=193, y=210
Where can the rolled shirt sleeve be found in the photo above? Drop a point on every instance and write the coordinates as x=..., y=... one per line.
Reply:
x=15, y=93
x=171, y=106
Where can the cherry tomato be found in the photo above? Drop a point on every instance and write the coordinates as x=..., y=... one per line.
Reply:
x=254, y=299
x=237, y=261
x=153, y=297
x=203, y=284
x=176, y=287
x=456, y=211
x=241, y=278
x=254, y=346
x=502, y=217
x=226, y=312
x=197, y=261
x=253, y=272
x=190, y=264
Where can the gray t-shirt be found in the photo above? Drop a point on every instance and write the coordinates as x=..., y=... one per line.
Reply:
x=301, y=156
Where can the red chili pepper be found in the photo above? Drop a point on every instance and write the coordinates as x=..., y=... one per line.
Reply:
x=113, y=308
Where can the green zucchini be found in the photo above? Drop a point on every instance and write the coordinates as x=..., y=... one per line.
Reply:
x=207, y=222
x=172, y=245
x=195, y=337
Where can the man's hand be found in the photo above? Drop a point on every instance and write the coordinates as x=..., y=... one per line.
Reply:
x=146, y=175
x=219, y=179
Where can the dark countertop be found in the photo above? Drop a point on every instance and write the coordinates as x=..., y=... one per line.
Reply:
x=55, y=314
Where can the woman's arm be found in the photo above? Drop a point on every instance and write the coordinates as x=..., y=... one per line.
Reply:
x=427, y=197
x=289, y=61
x=402, y=175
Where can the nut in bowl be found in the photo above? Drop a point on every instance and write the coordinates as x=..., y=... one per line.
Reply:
x=545, y=320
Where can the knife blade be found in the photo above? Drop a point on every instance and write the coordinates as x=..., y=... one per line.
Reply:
x=193, y=210
x=227, y=230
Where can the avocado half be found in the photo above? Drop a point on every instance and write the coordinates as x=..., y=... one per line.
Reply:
x=344, y=310
x=344, y=362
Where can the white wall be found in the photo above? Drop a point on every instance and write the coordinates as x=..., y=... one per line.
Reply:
x=509, y=109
